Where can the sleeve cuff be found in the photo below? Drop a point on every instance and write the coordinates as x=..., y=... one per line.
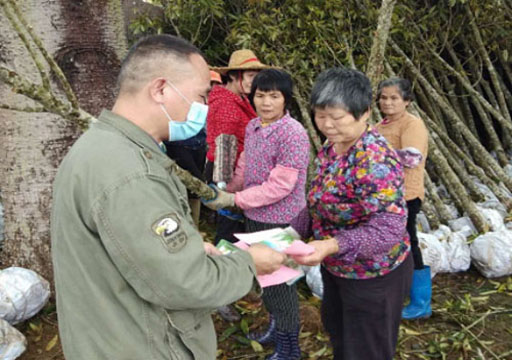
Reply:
x=345, y=249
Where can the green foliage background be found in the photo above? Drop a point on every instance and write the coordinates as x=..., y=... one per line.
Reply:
x=306, y=37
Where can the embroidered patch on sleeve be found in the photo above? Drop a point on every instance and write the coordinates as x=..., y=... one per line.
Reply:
x=168, y=228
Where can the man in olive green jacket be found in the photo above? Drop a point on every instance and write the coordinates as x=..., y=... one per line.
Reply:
x=133, y=277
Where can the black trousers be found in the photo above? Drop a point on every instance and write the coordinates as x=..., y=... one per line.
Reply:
x=226, y=227
x=362, y=316
x=280, y=300
x=413, y=207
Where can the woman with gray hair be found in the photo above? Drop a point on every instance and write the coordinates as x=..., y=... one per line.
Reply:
x=409, y=137
x=357, y=216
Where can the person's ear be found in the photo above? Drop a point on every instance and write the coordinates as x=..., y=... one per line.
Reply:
x=157, y=90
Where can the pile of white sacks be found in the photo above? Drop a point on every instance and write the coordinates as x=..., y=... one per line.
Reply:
x=447, y=249
x=22, y=294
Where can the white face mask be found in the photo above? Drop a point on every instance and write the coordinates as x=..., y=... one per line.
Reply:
x=195, y=121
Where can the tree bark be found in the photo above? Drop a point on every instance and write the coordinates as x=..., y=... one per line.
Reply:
x=461, y=172
x=84, y=39
x=457, y=191
x=480, y=153
x=435, y=200
x=472, y=167
x=507, y=124
x=490, y=67
x=308, y=121
x=376, y=59
x=430, y=212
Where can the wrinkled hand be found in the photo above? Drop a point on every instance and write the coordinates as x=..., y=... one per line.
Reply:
x=323, y=248
x=266, y=259
x=223, y=200
x=210, y=249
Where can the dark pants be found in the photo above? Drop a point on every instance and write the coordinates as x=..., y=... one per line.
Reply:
x=413, y=207
x=226, y=227
x=281, y=300
x=362, y=316
x=188, y=158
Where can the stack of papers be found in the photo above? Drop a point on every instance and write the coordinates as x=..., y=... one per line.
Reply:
x=285, y=240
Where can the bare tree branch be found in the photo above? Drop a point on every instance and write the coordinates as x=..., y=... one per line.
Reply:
x=51, y=62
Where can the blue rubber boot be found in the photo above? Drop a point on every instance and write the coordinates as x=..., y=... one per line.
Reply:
x=421, y=294
x=287, y=346
x=267, y=336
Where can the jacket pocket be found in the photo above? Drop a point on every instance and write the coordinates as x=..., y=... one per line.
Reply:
x=192, y=330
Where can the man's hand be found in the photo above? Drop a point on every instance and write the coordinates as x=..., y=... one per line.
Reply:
x=210, y=249
x=323, y=248
x=223, y=200
x=266, y=259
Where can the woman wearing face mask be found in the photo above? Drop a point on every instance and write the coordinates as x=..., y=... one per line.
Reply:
x=409, y=137
x=358, y=215
x=269, y=185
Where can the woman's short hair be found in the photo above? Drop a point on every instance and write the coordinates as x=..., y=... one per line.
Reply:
x=340, y=87
x=404, y=86
x=273, y=79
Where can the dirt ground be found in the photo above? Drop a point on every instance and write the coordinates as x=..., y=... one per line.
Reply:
x=472, y=319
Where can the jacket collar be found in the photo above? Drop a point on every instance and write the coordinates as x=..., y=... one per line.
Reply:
x=130, y=130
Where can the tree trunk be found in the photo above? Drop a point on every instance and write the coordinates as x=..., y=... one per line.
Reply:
x=471, y=166
x=376, y=59
x=490, y=67
x=430, y=213
x=436, y=202
x=480, y=154
x=457, y=191
x=87, y=40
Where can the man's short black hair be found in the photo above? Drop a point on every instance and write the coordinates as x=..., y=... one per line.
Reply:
x=151, y=56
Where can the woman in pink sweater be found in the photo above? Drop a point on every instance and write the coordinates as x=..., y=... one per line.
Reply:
x=269, y=185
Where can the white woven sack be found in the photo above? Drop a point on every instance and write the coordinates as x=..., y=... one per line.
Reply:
x=434, y=253
x=12, y=342
x=457, y=252
x=491, y=253
x=22, y=294
x=493, y=218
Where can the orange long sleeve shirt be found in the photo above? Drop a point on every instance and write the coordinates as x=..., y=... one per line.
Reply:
x=408, y=131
